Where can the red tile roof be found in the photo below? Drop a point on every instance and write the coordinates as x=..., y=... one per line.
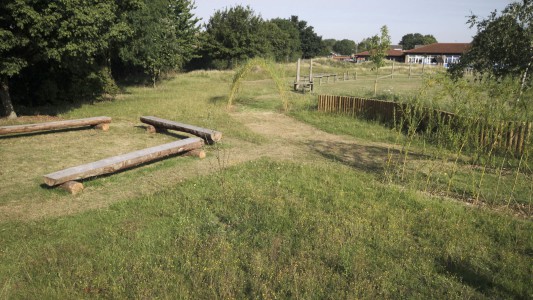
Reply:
x=440, y=48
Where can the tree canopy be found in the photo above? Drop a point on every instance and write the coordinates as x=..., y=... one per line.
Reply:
x=344, y=47
x=311, y=43
x=379, y=45
x=164, y=36
x=410, y=40
x=291, y=46
x=364, y=45
x=503, y=45
x=236, y=34
x=233, y=35
x=66, y=50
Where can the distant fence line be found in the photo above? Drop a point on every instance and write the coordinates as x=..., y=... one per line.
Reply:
x=509, y=136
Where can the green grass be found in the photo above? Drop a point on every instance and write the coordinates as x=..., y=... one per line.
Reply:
x=346, y=125
x=270, y=229
x=329, y=225
x=429, y=166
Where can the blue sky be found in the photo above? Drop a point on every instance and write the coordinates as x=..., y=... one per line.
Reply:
x=355, y=20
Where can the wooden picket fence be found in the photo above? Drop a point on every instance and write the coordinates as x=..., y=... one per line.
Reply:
x=508, y=136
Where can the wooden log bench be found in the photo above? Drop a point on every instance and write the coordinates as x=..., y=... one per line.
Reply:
x=67, y=177
x=97, y=122
x=209, y=136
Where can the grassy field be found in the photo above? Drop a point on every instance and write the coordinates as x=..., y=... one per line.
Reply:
x=279, y=209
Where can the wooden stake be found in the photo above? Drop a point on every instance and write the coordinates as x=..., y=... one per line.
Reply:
x=310, y=70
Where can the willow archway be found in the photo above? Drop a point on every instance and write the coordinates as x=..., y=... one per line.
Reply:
x=273, y=72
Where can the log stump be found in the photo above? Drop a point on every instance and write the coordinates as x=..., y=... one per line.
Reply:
x=72, y=187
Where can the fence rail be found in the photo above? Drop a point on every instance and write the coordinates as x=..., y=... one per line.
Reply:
x=501, y=136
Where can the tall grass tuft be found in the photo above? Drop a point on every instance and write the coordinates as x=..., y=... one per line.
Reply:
x=471, y=152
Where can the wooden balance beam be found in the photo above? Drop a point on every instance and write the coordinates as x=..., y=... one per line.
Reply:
x=98, y=122
x=120, y=162
x=210, y=136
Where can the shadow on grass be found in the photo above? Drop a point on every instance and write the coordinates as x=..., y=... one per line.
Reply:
x=218, y=99
x=369, y=158
x=167, y=132
x=479, y=280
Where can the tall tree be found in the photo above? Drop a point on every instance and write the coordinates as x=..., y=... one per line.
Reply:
x=293, y=38
x=344, y=47
x=410, y=40
x=13, y=40
x=165, y=34
x=379, y=46
x=364, y=45
x=63, y=35
x=328, y=45
x=234, y=35
x=503, y=45
x=311, y=43
x=279, y=41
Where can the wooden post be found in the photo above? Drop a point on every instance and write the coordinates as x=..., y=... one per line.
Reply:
x=409, y=71
x=392, y=71
x=310, y=70
x=298, y=71
x=297, y=83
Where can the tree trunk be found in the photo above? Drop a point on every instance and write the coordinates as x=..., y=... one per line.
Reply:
x=5, y=98
x=524, y=77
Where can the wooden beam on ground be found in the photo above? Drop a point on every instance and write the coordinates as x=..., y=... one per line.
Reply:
x=96, y=121
x=120, y=162
x=210, y=136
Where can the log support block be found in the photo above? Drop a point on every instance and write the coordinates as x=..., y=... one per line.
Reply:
x=102, y=126
x=153, y=129
x=196, y=153
x=72, y=187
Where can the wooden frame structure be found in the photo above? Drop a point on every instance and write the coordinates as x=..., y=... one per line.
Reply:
x=120, y=162
x=97, y=122
x=189, y=147
x=303, y=83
